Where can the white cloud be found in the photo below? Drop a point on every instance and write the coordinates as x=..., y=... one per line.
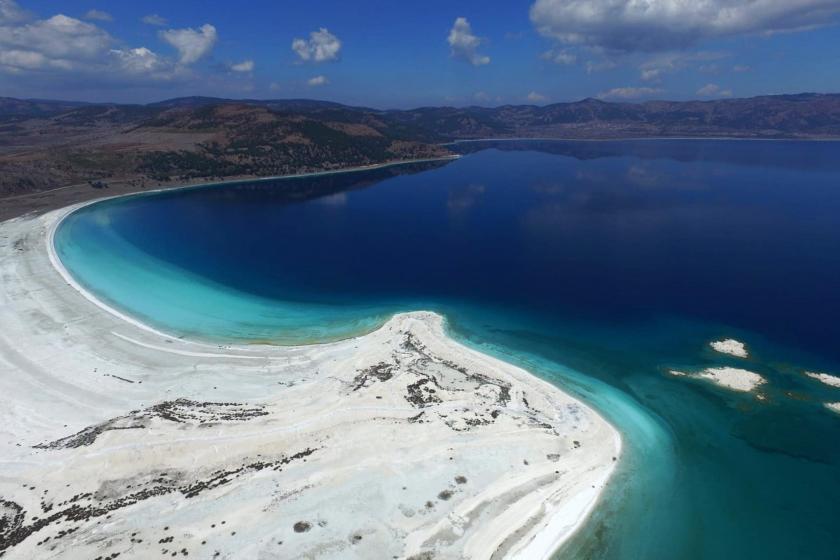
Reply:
x=741, y=68
x=484, y=97
x=651, y=74
x=57, y=42
x=629, y=93
x=138, y=61
x=322, y=46
x=65, y=54
x=655, y=68
x=154, y=19
x=559, y=56
x=191, y=44
x=15, y=61
x=714, y=90
x=68, y=50
x=98, y=15
x=650, y=25
x=244, y=66
x=317, y=81
x=535, y=97
x=600, y=66
x=464, y=44
x=10, y=12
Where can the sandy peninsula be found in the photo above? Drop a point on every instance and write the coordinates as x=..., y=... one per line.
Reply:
x=119, y=440
x=731, y=378
x=730, y=346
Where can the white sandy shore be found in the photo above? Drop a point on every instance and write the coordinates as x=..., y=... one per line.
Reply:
x=400, y=443
x=730, y=346
x=833, y=406
x=732, y=378
x=831, y=380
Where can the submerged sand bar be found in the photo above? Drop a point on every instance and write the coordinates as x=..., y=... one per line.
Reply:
x=400, y=443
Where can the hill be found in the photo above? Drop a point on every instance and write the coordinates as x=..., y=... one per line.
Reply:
x=50, y=144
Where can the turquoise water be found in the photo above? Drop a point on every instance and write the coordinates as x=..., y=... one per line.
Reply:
x=596, y=265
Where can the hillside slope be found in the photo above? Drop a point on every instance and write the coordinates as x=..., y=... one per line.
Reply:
x=50, y=144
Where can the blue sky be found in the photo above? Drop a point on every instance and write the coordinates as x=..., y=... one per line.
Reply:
x=403, y=54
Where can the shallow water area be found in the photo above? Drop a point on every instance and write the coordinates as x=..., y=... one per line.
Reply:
x=596, y=265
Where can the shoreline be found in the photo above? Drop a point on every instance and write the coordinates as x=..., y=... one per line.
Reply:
x=123, y=182
x=559, y=519
x=59, y=267
x=132, y=190
x=545, y=549
x=636, y=139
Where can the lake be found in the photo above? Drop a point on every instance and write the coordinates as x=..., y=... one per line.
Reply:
x=599, y=266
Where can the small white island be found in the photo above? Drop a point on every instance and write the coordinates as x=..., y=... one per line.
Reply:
x=730, y=346
x=830, y=380
x=731, y=378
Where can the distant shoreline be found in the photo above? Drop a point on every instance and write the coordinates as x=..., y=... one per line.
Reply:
x=40, y=202
x=639, y=138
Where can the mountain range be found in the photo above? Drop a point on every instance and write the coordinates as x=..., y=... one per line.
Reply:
x=48, y=144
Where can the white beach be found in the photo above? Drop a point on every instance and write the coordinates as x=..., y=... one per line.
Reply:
x=402, y=443
x=730, y=346
x=833, y=406
x=732, y=378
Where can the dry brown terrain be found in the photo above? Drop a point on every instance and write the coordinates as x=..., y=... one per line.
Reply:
x=57, y=153
x=93, y=151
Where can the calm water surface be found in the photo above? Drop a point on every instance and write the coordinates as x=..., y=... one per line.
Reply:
x=597, y=265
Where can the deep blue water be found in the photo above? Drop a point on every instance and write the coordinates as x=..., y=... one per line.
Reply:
x=597, y=265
